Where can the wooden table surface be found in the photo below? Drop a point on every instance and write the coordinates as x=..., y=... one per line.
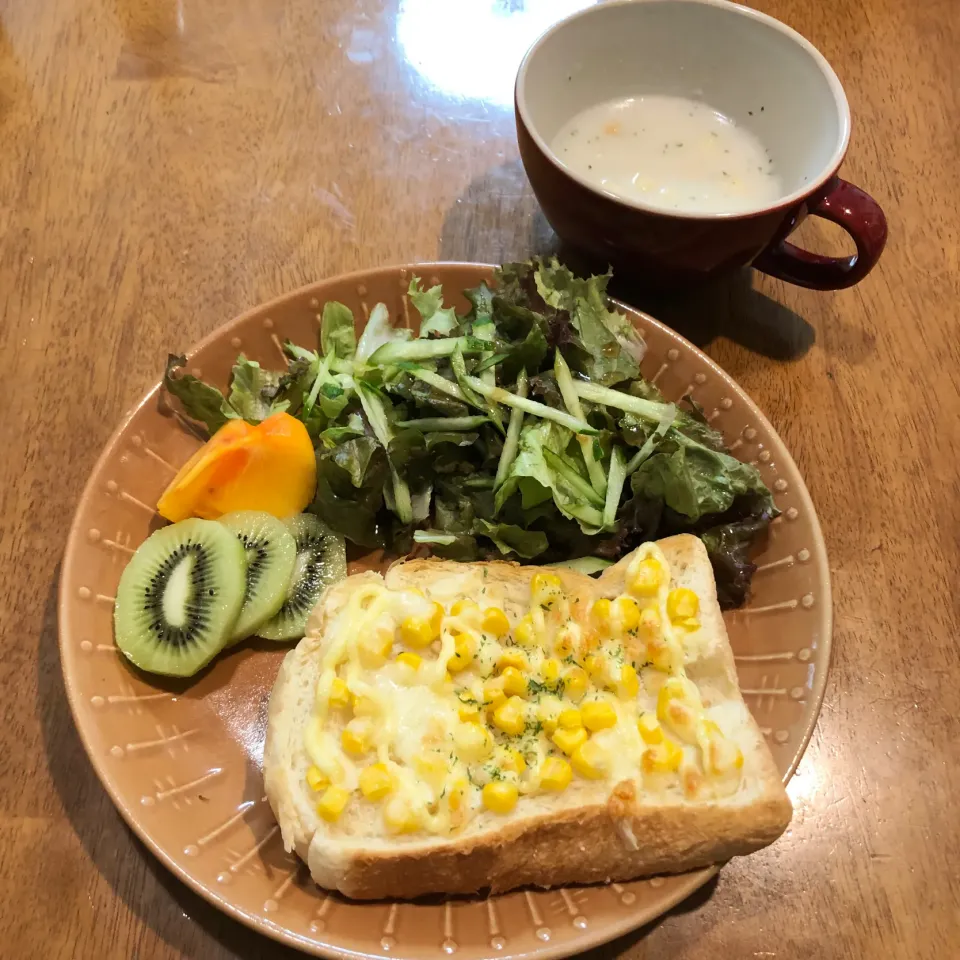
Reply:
x=165, y=165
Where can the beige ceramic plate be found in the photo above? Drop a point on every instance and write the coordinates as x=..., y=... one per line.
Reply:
x=182, y=762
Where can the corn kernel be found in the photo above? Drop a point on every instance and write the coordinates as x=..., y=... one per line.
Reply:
x=627, y=613
x=569, y=740
x=575, y=682
x=464, y=652
x=355, y=739
x=514, y=682
x=707, y=728
x=340, y=695
x=569, y=719
x=332, y=803
x=662, y=758
x=545, y=589
x=410, y=660
x=550, y=670
x=524, y=632
x=629, y=684
x=650, y=729
x=566, y=640
x=510, y=759
x=365, y=707
x=590, y=760
x=464, y=607
x=420, y=632
x=493, y=694
x=548, y=713
x=500, y=797
x=509, y=718
x=495, y=621
x=601, y=614
x=373, y=649
x=596, y=667
x=316, y=780
x=473, y=741
x=682, y=604
x=665, y=656
x=555, y=774
x=375, y=781
x=513, y=657
x=399, y=816
x=720, y=754
x=689, y=624
x=431, y=766
x=457, y=794
x=644, y=578
x=650, y=622
x=589, y=641
x=678, y=706
x=598, y=715
x=469, y=712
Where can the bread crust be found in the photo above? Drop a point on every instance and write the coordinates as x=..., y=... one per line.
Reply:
x=624, y=838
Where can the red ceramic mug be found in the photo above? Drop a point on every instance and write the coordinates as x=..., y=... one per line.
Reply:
x=746, y=65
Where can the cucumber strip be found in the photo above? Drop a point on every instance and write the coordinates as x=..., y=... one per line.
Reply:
x=434, y=536
x=532, y=407
x=568, y=473
x=618, y=475
x=593, y=393
x=439, y=383
x=430, y=424
x=373, y=408
x=491, y=361
x=651, y=442
x=460, y=372
x=512, y=443
x=486, y=371
x=565, y=382
x=400, y=350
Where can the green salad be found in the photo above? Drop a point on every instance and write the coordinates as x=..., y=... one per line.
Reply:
x=520, y=429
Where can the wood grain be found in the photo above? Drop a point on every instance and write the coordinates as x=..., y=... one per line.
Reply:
x=167, y=164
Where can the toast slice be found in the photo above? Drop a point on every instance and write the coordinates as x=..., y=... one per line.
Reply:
x=683, y=777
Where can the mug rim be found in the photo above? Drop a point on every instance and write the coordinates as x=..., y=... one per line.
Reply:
x=784, y=202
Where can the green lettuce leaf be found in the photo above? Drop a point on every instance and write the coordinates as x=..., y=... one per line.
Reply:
x=481, y=299
x=350, y=482
x=200, y=401
x=693, y=480
x=377, y=332
x=252, y=390
x=509, y=538
x=531, y=476
x=613, y=346
x=337, y=331
x=435, y=319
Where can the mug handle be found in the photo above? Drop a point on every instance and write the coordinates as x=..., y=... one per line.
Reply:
x=860, y=215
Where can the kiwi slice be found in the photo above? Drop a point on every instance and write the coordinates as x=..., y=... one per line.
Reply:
x=179, y=597
x=271, y=556
x=321, y=561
